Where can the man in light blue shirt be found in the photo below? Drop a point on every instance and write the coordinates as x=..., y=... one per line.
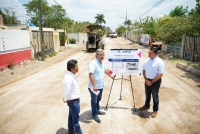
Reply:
x=96, y=82
x=153, y=70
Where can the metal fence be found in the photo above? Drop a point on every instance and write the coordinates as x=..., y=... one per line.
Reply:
x=175, y=48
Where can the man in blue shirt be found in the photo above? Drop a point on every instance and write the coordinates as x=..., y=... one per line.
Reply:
x=96, y=82
x=153, y=70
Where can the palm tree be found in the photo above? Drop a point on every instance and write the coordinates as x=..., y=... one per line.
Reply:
x=100, y=19
x=128, y=23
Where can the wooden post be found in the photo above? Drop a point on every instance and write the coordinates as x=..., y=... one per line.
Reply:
x=183, y=44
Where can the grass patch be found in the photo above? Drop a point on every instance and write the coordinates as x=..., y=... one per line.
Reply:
x=195, y=65
x=50, y=55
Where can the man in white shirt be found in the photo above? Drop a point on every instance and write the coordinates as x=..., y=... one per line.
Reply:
x=96, y=82
x=153, y=70
x=71, y=97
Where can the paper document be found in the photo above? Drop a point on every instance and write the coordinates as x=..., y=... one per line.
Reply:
x=95, y=92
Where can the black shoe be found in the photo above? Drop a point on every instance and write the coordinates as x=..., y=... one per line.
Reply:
x=101, y=113
x=97, y=119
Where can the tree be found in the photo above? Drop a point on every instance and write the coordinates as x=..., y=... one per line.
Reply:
x=52, y=16
x=100, y=19
x=194, y=20
x=33, y=12
x=55, y=17
x=148, y=25
x=179, y=11
x=9, y=16
x=128, y=23
x=120, y=30
x=171, y=29
x=196, y=10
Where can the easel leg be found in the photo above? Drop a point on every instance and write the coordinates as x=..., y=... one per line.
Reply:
x=109, y=93
x=121, y=90
x=132, y=94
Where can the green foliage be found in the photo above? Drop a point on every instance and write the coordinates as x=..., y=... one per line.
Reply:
x=100, y=19
x=196, y=10
x=171, y=29
x=50, y=55
x=194, y=25
x=33, y=12
x=149, y=26
x=120, y=30
x=9, y=16
x=128, y=23
x=52, y=16
x=62, y=38
x=72, y=41
x=179, y=11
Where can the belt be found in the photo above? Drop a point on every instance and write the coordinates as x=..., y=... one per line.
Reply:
x=74, y=100
x=153, y=79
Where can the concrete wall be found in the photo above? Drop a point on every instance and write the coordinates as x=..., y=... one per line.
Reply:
x=1, y=20
x=83, y=37
x=73, y=36
x=14, y=46
x=164, y=47
x=78, y=36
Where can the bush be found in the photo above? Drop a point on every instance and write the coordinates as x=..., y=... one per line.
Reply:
x=50, y=54
x=72, y=41
x=62, y=38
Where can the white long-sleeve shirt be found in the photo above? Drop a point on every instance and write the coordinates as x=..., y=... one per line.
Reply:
x=71, y=89
x=153, y=67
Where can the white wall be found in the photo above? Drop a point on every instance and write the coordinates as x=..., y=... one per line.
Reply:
x=14, y=39
x=73, y=35
x=78, y=36
x=144, y=38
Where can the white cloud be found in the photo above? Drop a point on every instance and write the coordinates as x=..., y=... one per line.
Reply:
x=86, y=10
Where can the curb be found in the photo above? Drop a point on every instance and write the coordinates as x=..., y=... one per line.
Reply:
x=186, y=68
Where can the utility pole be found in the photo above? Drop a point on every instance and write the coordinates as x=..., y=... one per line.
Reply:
x=40, y=30
x=126, y=24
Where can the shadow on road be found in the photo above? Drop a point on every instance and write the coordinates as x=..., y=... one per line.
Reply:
x=91, y=51
x=142, y=114
x=62, y=131
x=86, y=117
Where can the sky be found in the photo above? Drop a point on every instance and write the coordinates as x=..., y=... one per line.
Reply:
x=114, y=10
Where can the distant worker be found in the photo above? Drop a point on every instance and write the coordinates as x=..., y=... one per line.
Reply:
x=153, y=70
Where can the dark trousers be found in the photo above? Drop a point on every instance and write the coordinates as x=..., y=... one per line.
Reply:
x=152, y=90
x=73, y=118
x=95, y=99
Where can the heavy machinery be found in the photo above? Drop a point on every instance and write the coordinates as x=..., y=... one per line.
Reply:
x=94, y=40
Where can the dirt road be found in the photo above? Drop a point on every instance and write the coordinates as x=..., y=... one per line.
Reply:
x=32, y=104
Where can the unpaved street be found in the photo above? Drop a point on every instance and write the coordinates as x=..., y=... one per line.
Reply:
x=33, y=104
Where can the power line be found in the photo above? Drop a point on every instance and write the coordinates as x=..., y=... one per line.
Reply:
x=56, y=2
x=70, y=4
x=65, y=9
x=151, y=8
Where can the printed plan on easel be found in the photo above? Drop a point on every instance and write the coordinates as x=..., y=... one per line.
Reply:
x=125, y=61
